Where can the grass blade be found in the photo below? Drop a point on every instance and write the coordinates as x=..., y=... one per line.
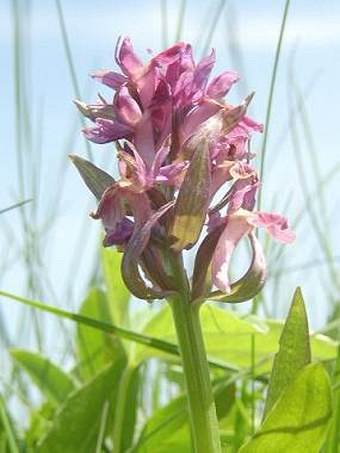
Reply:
x=271, y=96
x=146, y=340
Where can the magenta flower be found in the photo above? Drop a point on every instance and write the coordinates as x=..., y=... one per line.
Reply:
x=180, y=146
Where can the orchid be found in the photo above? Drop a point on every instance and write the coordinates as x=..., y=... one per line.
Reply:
x=186, y=177
x=162, y=115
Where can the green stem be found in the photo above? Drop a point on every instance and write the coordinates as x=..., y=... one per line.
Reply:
x=202, y=411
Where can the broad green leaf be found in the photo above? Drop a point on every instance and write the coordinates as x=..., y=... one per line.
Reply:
x=294, y=351
x=53, y=382
x=298, y=421
x=219, y=327
x=333, y=439
x=117, y=293
x=39, y=423
x=96, y=349
x=76, y=425
x=228, y=338
x=225, y=396
x=167, y=430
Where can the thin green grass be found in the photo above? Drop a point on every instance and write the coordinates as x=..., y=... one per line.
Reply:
x=15, y=206
x=271, y=98
x=9, y=430
x=71, y=65
x=127, y=334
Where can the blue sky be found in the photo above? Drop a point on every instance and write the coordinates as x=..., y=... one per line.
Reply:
x=310, y=51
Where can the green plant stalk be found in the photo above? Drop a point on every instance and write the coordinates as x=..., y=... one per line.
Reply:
x=202, y=411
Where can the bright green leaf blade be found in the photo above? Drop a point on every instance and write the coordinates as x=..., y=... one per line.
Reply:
x=333, y=438
x=166, y=430
x=228, y=338
x=96, y=348
x=294, y=351
x=298, y=421
x=117, y=293
x=76, y=426
x=53, y=382
x=39, y=424
x=219, y=326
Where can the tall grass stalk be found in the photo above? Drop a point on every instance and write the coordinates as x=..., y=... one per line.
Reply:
x=271, y=97
x=71, y=65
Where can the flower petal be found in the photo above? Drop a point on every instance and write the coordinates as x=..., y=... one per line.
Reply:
x=127, y=109
x=252, y=281
x=107, y=131
x=127, y=59
x=221, y=84
x=276, y=225
x=237, y=227
x=110, y=78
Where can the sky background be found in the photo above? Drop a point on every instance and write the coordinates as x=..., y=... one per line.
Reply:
x=245, y=39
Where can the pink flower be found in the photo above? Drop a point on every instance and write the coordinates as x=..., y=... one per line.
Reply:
x=179, y=146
